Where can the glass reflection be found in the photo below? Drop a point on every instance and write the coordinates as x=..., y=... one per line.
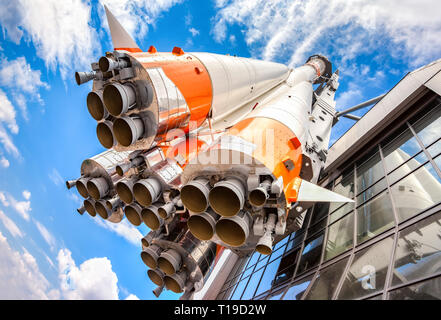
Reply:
x=418, y=251
x=374, y=217
x=311, y=253
x=268, y=277
x=340, y=237
x=295, y=292
x=369, y=172
x=367, y=273
x=239, y=289
x=287, y=267
x=427, y=128
x=400, y=150
x=251, y=287
x=408, y=167
x=427, y=290
x=417, y=191
x=326, y=282
x=372, y=191
x=340, y=212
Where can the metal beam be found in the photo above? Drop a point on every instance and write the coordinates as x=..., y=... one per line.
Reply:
x=351, y=116
x=361, y=105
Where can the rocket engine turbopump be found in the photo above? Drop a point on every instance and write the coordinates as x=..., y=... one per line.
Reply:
x=209, y=151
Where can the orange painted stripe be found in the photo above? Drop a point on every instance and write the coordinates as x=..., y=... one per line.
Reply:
x=190, y=76
x=129, y=49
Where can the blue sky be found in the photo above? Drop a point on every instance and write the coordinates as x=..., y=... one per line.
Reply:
x=47, y=249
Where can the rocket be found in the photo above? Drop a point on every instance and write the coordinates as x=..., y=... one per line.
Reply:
x=209, y=151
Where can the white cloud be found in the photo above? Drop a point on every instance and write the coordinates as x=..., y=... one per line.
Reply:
x=7, y=113
x=47, y=236
x=194, y=32
x=26, y=194
x=131, y=297
x=21, y=207
x=59, y=30
x=93, y=279
x=296, y=29
x=123, y=229
x=56, y=177
x=349, y=97
x=136, y=15
x=10, y=225
x=20, y=276
x=4, y=162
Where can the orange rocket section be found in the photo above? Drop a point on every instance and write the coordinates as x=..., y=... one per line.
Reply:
x=188, y=74
x=285, y=156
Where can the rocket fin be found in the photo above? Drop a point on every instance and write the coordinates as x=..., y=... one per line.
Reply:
x=120, y=37
x=310, y=192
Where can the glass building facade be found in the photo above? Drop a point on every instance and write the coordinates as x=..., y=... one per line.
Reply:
x=385, y=245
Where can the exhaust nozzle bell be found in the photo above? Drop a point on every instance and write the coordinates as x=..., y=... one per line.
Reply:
x=194, y=195
x=124, y=189
x=176, y=282
x=105, y=207
x=104, y=132
x=167, y=210
x=234, y=231
x=95, y=105
x=70, y=183
x=259, y=195
x=227, y=197
x=83, y=77
x=147, y=191
x=128, y=130
x=147, y=240
x=157, y=292
x=81, y=210
x=170, y=261
x=133, y=213
x=107, y=64
x=203, y=226
x=151, y=217
x=265, y=244
x=150, y=256
x=118, y=98
x=89, y=205
x=81, y=185
x=156, y=276
x=98, y=188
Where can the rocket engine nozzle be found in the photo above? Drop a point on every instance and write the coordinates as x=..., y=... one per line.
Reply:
x=194, y=195
x=107, y=64
x=118, y=98
x=227, y=197
x=70, y=183
x=89, y=205
x=176, y=282
x=83, y=77
x=147, y=191
x=151, y=217
x=133, y=213
x=169, y=261
x=150, y=256
x=128, y=130
x=81, y=185
x=203, y=226
x=156, y=276
x=124, y=189
x=104, y=132
x=98, y=188
x=258, y=196
x=95, y=105
x=234, y=230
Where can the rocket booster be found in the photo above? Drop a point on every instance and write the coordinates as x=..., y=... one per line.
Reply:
x=209, y=151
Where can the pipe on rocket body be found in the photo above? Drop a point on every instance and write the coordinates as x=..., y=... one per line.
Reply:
x=150, y=256
x=170, y=261
x=156, y=276
x=118, y=98
x=194, y=195
x=259, y=195
x=124, y=189
x=265, y=244
x=151, y=217
x=95, y=105
x=98, y=187
x=176, y=282
x=122, y=168
x=203, y=226
x=227, y=197
x=133, y=213
x=234, y=230
x=104, y=132
x=89, y=205
x=147, y=191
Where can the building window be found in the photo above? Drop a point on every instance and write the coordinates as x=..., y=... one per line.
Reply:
x=287, y=267
x=369, y=172
x=374, y=217
x=311, y=253
x=252, y=284
x=427, y=290
x=418, y=252
x=340, y=237
x=268, y=277
x=326, y=282
x=296, y=290
x=367, y=273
